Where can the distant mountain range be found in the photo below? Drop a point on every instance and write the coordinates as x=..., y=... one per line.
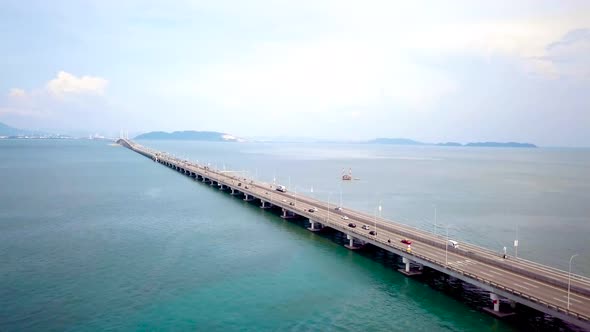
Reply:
x=6, y=130
x=190, y=135
x=405, y=141
x=214, y=136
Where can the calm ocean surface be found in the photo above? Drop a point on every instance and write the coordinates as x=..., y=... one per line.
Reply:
x=95, y=237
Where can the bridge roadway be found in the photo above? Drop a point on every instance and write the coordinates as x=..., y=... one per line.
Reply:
x=532, y=284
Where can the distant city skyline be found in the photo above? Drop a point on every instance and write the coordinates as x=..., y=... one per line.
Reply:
x=432, y=71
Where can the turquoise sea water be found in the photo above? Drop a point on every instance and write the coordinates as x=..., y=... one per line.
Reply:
x=95, y=237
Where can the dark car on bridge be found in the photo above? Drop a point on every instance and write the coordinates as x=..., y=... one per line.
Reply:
x=406, y=241
x=313, y=209
x=373, y=233
x=352, y=225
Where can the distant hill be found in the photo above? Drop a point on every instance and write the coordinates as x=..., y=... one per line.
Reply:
x=449, y=144
x=6, y=130
x=396, y=141
x=406, y=141
x=189, y=135
x=502, y=145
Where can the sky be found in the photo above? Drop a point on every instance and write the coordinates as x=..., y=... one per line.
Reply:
x=432, y=71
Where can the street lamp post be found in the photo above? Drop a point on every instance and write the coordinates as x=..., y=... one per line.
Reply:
x=446, y=243
x=375, y=221
x=447, y=248
x=379, y=208
x=435, y=220
x=516, y=243
x=329, y=196
x=569, y=280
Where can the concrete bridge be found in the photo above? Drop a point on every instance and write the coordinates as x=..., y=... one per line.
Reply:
x=549, y=290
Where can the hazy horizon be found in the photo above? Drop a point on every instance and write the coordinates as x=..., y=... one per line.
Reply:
x=430, y=71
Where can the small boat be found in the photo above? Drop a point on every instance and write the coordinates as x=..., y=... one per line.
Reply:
x=347, y=177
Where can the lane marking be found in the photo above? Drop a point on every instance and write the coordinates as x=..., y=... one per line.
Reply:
x=560, y=300
x=529, y=284
x=572, y=299
x=521, y=286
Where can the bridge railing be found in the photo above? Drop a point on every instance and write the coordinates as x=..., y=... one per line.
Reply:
x=420, y=235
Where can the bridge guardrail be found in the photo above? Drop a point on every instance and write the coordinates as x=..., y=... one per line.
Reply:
x=439, y=245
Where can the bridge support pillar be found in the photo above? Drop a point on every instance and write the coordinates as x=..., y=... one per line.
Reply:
x=407, y=270
x=234, y=192
x=248, y=198
x=222, y=186
x=496, y=307
x=212, y=183
x=287, y=214
x=350, y=244
x=495, y=301
x=265, y=205
x=314, y=226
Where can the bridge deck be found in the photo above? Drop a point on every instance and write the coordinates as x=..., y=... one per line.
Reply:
x=541, y=287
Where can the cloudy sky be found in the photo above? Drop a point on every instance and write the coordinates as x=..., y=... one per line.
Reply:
x=427, y=70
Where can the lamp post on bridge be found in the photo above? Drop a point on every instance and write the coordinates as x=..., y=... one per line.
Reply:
x=447, y=243
x=434, y=219
x=569, y=281
x=329, y=197
x=379, y=209
x=516, y=243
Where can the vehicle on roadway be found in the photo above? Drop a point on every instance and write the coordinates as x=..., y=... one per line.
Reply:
x=454, y=243
x=365, y=227
x=352, y=225
x=344, y=217
x=406, y=241
x=282, y=189
x=312, y=209
x=373, y=233
x=291, y=203
x=338, y=208
x=284, y=200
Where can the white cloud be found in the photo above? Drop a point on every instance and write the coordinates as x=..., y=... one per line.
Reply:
x=16, y=93
x=320, y=76
x=64, y=93
x=569, y=56
x=68, y=84
x=524, y=38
